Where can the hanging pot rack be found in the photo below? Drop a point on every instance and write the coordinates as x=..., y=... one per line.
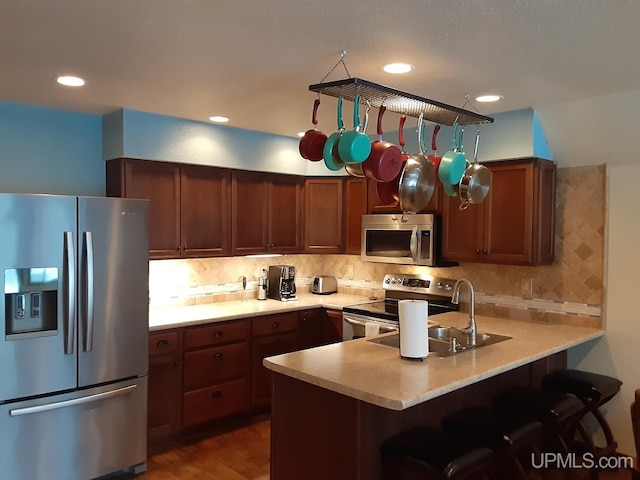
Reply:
x=399, y=102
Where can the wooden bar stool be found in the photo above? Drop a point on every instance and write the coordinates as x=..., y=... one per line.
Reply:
x=510, y=434
x=425, y=453
x=593, y=390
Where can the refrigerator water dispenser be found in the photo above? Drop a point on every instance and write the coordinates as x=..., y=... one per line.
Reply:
x=31, y=305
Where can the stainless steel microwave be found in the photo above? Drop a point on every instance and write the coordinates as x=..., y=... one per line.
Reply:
x=401, y=239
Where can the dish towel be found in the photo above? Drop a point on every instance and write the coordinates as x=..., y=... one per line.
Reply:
x=371, y=328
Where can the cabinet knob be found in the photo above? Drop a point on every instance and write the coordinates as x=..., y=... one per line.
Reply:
x=275, y=339
x=162, y=343
x=304, y=319
x=478, y=252
x=275, y=325
x=218, y=334
x=218, y=356
x=485, y=252
x=216, y=394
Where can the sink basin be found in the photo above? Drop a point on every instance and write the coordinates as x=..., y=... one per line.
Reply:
x=446, y=341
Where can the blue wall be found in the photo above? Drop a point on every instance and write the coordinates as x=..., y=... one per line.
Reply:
x=135, y=134
x=44, y=150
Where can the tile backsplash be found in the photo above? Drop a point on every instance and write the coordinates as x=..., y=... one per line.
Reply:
x=572, y=286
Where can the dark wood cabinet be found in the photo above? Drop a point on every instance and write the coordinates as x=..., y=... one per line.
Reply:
x=513, y=225
x=310, y=328
x=216, y=372
x=319, y=327
x=355, y=205
x=164, y=387
x=188, y=205
x=271, y=335
x=204, y=211
x=332, y=326
x=323, y=200
x=266, y=213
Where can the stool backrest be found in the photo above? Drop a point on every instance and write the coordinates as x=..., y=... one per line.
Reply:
x=635, y=420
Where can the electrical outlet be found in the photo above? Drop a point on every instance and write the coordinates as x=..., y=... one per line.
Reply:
x=526, y=287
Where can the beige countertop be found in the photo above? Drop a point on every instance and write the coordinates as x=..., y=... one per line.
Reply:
x=161, y=318
x=376, y=374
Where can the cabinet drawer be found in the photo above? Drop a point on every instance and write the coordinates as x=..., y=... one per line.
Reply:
x=215, y=402
x=214, y=365
x=274, y=324
x=163, y=343
x=215, y=334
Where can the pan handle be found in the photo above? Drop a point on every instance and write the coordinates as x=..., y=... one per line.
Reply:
x=434, y=146
x=475, y=150
x=314, y=116
x=380, y=114
x=339, y=115
x=401, y=130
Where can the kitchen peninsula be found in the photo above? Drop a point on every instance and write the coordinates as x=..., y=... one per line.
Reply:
x=334, y=405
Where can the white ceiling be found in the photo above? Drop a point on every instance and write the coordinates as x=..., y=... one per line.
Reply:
x=253, y=60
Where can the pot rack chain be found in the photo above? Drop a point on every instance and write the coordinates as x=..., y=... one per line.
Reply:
x=341, y=61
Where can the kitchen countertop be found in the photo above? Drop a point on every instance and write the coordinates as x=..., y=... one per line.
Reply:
x=162, y=318
x=376, y=374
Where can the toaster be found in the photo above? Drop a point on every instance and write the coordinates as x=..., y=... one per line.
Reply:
x=324, y=285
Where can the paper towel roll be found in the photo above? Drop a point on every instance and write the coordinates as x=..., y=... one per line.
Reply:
x=414, y=334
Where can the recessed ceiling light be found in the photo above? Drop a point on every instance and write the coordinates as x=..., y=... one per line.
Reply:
x=219, y=119
x=489, y=98
x=70, y=81
x=398, y=67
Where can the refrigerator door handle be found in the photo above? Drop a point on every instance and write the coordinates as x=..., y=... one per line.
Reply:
x=74, y=402
x=70, y=311
x=88, y=292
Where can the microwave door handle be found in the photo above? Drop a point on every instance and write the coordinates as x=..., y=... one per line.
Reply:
x=413, y=244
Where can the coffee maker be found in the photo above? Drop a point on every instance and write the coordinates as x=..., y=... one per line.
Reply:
x=282, y=283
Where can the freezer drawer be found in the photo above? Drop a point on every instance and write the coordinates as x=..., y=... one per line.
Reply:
x=75, y=436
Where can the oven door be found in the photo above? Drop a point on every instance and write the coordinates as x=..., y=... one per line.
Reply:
x=353, y=325
x=401, y=244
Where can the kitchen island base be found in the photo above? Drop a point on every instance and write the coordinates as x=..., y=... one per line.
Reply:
x=318, y=434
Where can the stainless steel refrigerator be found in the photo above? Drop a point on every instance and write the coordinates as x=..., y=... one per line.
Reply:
x=73, y=336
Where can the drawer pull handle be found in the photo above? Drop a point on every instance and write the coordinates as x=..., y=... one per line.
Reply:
x=162, y=343
x=218, y=356
x=218, y=334
x=275, y=339
x=216, y=394
x=275, y=324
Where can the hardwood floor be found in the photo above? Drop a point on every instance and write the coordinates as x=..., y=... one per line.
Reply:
x=242, y=453
x=238, y=454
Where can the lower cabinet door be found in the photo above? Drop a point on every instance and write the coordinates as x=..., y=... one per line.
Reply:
x=214, y=402
x=261, y=348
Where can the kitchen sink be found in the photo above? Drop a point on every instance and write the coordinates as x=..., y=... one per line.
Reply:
x=446, y=341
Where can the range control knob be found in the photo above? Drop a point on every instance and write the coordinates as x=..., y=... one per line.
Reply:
x=387, y=280
x=439, y=286
x=448, y=287
x=394, y=281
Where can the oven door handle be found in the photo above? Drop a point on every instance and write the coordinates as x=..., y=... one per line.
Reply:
x=383, y=328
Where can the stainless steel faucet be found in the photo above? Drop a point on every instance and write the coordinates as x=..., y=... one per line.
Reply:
x=471, y=329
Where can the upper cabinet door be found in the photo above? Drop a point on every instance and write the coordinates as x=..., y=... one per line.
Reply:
x=204, y=211
x=249, y=213
x=513, y=225
x=285, y=214
x=158, y=182
x=323, y=215
x=355, y=205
